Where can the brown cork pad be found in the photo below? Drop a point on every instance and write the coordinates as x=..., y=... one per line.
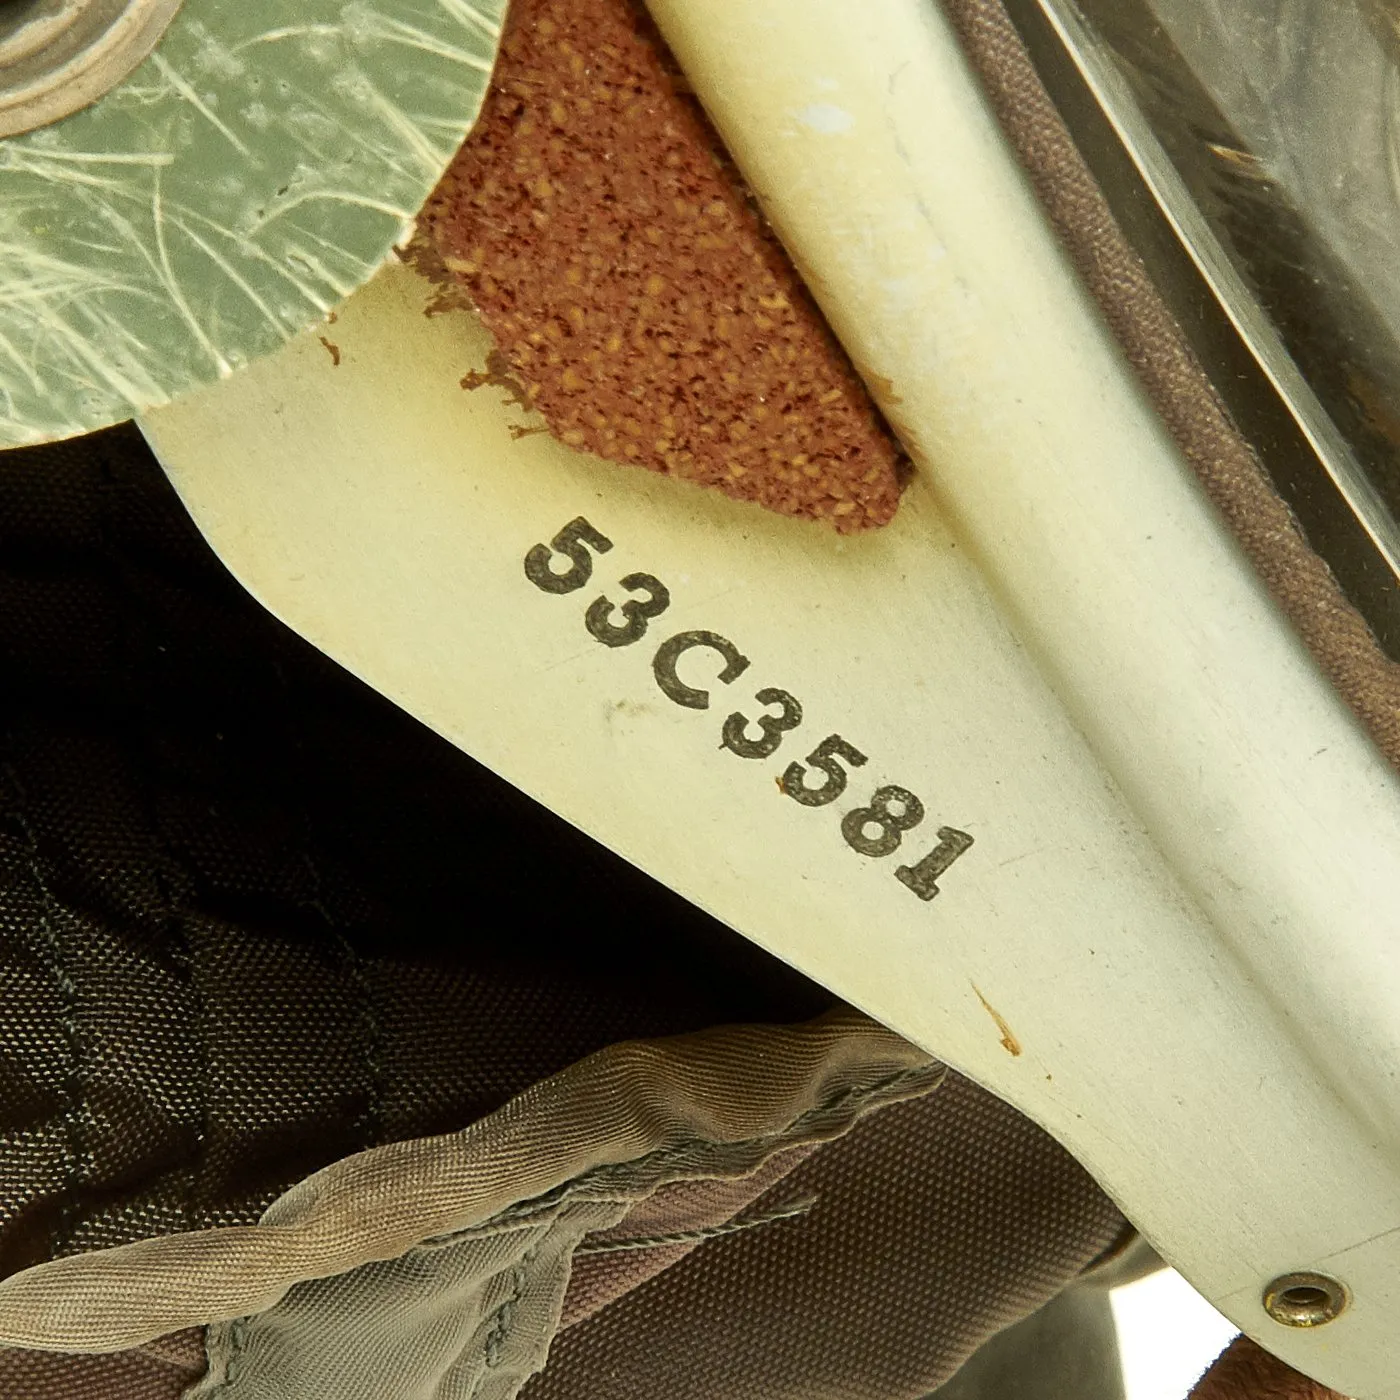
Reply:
x=652, y=317
x=1245, y=1371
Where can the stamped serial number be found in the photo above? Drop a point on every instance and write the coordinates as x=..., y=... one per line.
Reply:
x=876, y=829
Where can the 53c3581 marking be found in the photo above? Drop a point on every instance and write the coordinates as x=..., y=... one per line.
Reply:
x=875, y=830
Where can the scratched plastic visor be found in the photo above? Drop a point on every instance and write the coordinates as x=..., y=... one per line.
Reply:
x=1275, y=125
x=248, y=176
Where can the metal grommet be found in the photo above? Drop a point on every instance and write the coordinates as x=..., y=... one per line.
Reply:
x=1305, y=1300
x=57, y=56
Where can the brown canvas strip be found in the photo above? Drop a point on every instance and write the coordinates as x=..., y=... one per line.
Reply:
x=1174, y=380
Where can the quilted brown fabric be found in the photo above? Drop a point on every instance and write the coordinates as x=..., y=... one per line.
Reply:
x=253, y=918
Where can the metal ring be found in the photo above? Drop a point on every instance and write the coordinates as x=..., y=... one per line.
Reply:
x=1305, y=1300
x=57, y=56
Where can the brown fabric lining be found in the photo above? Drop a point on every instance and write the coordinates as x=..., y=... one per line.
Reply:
x=162, y=1370
x=938, y=1223
x=253, y=916
x=1173, y=378
x=1068, y=1350
x=684, y=1207
x=638, y=1100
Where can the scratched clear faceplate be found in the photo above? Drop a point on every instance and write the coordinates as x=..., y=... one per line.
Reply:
x=249, y=175
x=1270, y=130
